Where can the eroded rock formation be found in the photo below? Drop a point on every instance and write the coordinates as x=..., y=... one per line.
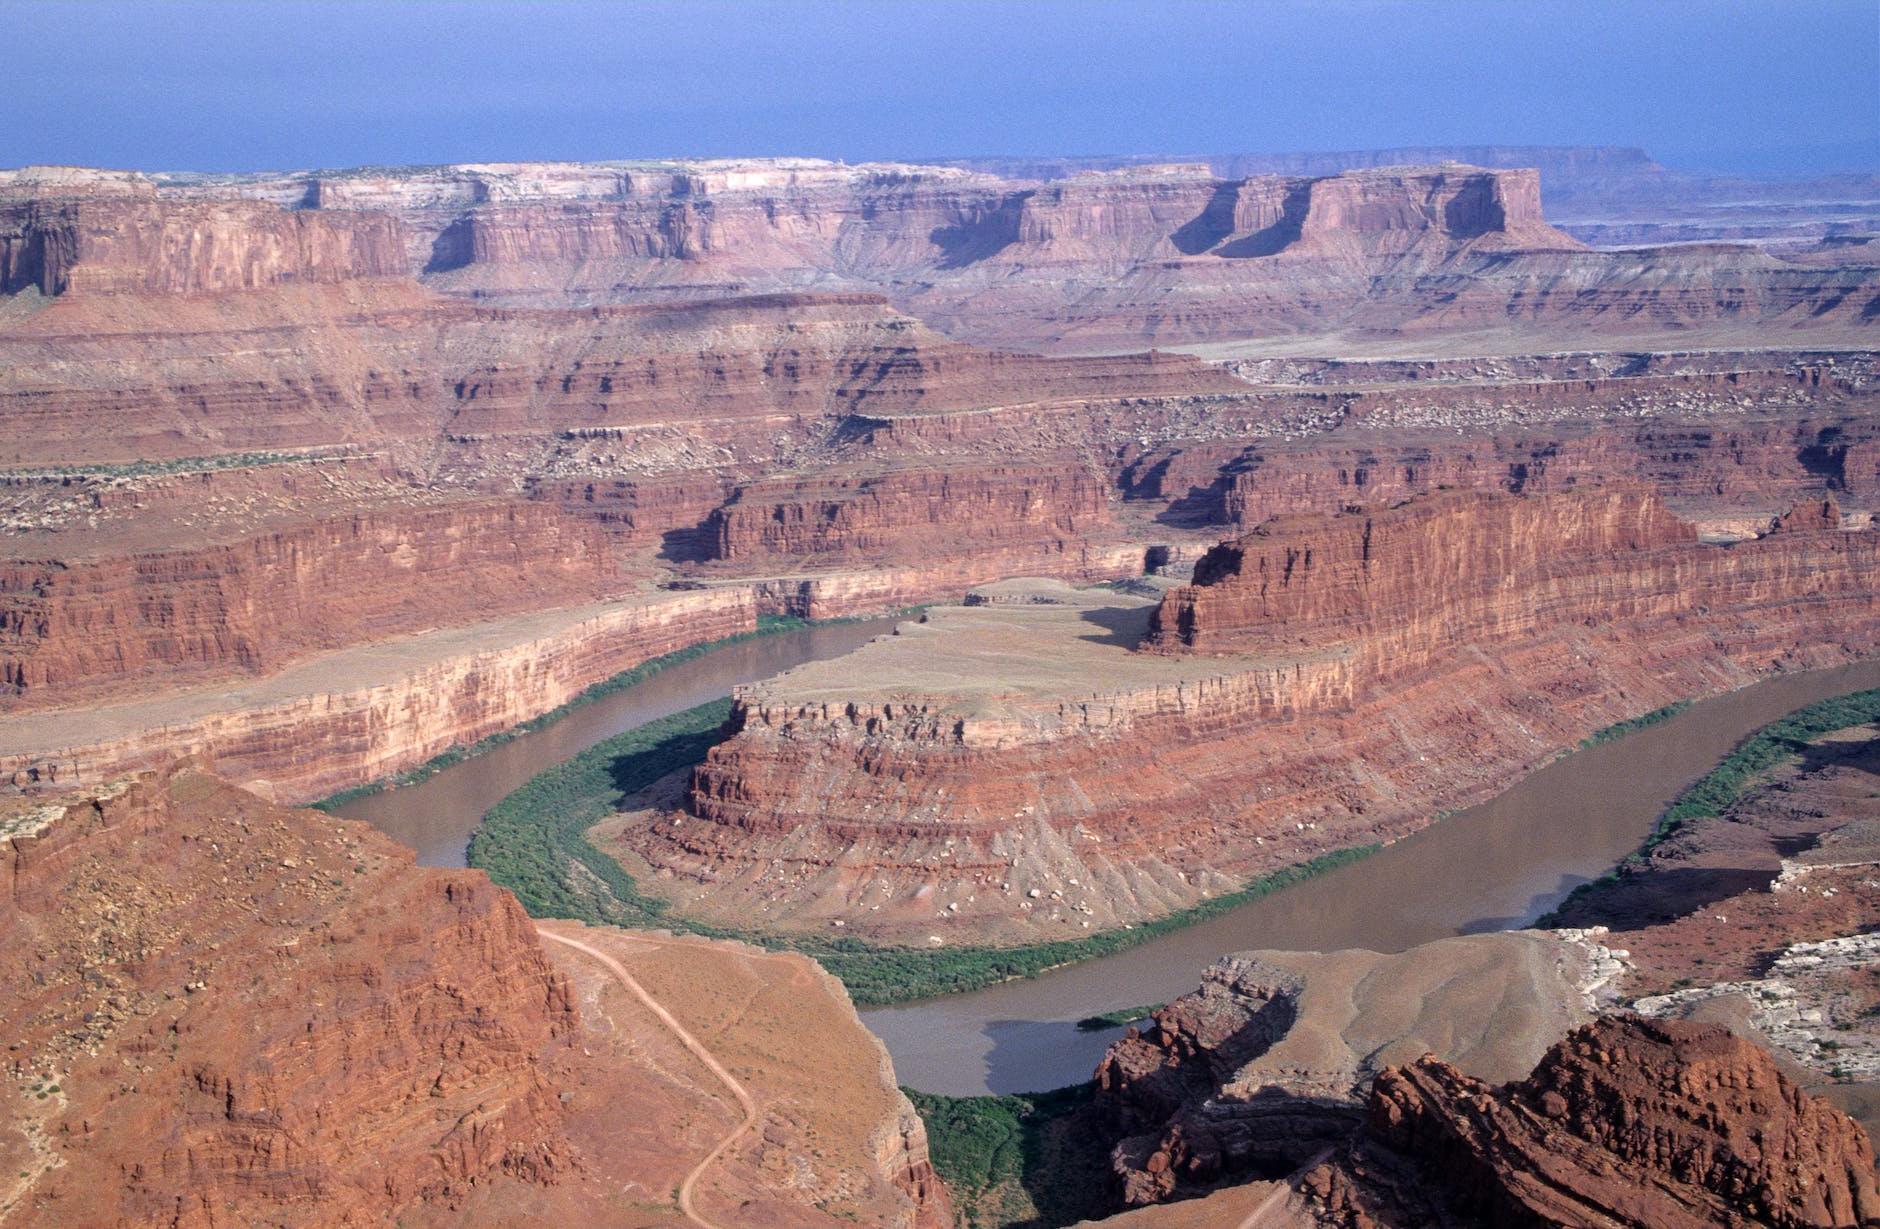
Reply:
x=220, y=1013
x=1372, y=669
x=1626, y=1122
x=1270, y=1061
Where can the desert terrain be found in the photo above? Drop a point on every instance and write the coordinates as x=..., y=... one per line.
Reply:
x=1242, y=515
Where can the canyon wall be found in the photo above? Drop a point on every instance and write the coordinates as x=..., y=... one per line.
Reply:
x=1410, y=661
x=912, y=514
x=874, y=229
x=126, y=378
x=339, y=721
x=77, y=628
x=1124, y=258
x=134, y=241
x=1399, y=587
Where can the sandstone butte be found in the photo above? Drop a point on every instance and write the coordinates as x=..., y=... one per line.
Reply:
x=221, y=1012
x=1326, y=681
x=358, y=426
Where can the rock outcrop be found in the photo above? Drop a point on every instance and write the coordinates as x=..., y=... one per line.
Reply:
x=1270, y=1061
x=1626, y=1122
x=220, y=1012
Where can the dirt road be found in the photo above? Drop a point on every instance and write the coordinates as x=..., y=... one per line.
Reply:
x=698, y=1051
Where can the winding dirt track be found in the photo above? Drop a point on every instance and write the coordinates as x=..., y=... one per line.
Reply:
x=698, y=1050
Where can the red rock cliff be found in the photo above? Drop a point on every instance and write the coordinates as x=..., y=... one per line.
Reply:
x=1402, y=586
x=139, y=243
x=70, y=627
x=1639, y=1124
x=221, y=1013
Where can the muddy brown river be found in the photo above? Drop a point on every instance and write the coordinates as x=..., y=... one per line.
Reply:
x=437, y=815
x=1493, y=867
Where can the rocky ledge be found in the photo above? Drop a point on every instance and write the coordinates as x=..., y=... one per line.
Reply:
x=1270, y=1061
x=1625, y=1122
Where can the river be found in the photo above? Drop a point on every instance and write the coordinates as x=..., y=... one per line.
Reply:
x=1496, y=866
x=437, y=815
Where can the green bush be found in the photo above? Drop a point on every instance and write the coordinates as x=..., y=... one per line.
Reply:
x=1116, y=1019
x=1016, y=1159
x=1622, y=728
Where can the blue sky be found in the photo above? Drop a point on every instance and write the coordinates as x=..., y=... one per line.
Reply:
x=1775, y=85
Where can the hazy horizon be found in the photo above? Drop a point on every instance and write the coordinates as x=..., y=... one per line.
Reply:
x=1744, y=86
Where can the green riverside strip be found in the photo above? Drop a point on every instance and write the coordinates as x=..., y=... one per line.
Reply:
x=1717, y=790
x=534, y=842
x=1622, y=728
x=1117, y=1019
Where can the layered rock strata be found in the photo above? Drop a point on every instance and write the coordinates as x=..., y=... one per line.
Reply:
x=912, y=514
x=1126, y=258
x=76, y=628
x=1400, y=585
x=1375, y=669
x=123, y=236
x=1625, y=1122
x=347, y=718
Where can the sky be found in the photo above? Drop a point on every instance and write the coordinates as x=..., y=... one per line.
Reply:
x=1757, y=86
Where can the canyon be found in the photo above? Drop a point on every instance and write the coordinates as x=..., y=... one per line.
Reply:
x=256, y=419
x=1242, y=509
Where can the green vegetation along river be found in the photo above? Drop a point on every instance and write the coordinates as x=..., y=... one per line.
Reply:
x=1499, y=865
